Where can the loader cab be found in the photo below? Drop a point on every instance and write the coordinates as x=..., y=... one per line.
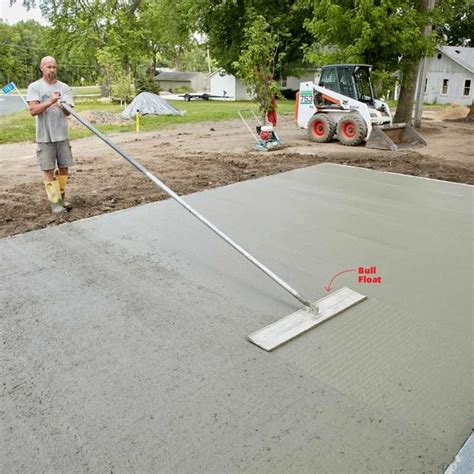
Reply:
x=350, y=80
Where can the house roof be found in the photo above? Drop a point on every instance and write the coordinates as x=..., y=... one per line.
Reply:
x=177, y=76
x=461, y=55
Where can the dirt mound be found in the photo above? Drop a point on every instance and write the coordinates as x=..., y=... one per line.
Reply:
x=455, y=112
x=98, y=118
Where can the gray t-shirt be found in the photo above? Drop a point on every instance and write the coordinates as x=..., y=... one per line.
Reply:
x=52, y=124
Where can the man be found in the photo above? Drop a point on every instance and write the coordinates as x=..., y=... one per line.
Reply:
x=53, y=149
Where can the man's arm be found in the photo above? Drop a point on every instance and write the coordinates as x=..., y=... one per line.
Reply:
x=37, y=107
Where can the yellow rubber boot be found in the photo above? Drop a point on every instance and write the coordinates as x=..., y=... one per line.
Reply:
x=62, y=180
x=54, y=196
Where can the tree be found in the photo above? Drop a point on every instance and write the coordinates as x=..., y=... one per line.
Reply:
x=136, y=33
x=224, y=21
x=386, y=34
x=458, y=28
x=169, y=27
x=79, y=31
x=256, y=64
x=22, y=47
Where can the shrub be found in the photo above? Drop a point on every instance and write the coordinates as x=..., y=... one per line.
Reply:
x=182, y=89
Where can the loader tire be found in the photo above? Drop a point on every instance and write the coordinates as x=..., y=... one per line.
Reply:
x=351, y=130
x=321, y=128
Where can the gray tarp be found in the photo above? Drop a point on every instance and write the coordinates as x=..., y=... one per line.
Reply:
x=148, y=103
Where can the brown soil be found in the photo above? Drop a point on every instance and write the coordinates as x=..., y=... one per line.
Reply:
x=455, y=112
x=194, y=157
x=98, y=117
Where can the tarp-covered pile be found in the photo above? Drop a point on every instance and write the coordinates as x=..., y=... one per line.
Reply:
x=148, y=103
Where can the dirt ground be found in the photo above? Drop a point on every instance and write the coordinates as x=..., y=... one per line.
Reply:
x=194, y=157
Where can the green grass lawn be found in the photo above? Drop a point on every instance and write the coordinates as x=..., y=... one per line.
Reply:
x=20, y=127
x=85, y=90
x=393, y=105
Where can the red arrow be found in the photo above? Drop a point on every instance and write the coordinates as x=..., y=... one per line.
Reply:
x=329, y=287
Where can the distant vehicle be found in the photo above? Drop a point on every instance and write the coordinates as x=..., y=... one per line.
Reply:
x=204, y=96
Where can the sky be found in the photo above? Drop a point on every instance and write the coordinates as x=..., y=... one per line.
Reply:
x=17, y=12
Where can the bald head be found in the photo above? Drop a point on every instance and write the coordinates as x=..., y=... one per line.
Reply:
x=48, y=68
x=47, y=59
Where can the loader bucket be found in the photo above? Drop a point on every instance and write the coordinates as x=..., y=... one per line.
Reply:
x=394, y=137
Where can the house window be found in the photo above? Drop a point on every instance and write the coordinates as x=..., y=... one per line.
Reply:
x=426, y=85
x=467, y=87
x=444, y=90
x=283, y=82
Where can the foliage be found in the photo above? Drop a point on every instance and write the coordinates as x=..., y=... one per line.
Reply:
x=383, y=82
x=182, y=89
x=109, y=67
x=167, y=26
x=195, y=58
x=81, y=32
x=224, y=21
x=381, y=33
x=121, y=89
x=21, y=49
x=135, y=32
x=256, y=64
x=145, y=81
x=458, y=27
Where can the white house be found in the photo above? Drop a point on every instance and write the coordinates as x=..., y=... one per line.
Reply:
x=223, y=84
x=220, y=82
x=450, y=76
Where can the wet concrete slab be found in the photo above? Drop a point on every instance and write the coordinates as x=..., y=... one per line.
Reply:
x=124, y=336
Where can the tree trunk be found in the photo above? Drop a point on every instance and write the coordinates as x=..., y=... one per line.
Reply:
x=404, y=113
x=406, y=100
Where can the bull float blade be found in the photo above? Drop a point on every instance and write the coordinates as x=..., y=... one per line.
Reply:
x=274, y=335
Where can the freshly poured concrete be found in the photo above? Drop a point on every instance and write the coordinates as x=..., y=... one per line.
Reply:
x=125, y=335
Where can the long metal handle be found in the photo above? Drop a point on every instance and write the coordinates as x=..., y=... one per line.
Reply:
x=245, y=121
x=195, y=213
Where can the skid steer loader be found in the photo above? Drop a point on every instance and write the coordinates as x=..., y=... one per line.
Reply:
x=343, y=105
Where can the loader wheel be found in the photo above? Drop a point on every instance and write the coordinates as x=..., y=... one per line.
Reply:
x=351, y=130
x=321, y=128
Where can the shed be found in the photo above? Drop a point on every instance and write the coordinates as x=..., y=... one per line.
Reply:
x=221, y=83
x=290, y=85
x=450, y=76
x=170, y=80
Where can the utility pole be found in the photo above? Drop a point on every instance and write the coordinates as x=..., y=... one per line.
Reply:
x=420, y=85
x=208, y=57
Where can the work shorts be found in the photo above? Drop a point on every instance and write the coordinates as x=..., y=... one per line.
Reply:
x=55, y=154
